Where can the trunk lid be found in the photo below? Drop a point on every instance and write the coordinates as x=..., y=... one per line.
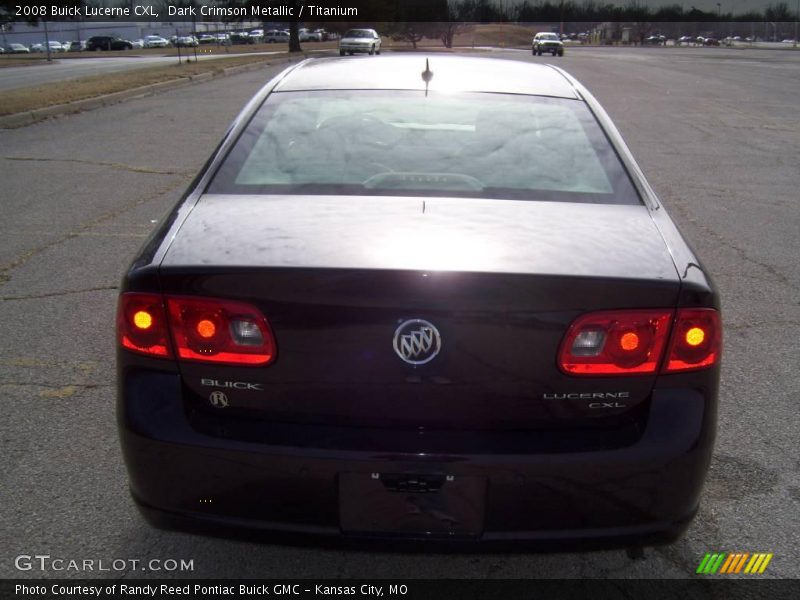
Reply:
x=500, y=280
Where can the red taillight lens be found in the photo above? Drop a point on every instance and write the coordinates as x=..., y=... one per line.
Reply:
x=696, y=340
x=220, y=331
x=142, y=324
x=623, y=342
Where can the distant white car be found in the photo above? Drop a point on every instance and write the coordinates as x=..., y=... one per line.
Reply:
x=360, y=40
x=155, y=41
x=17, y=49
x=137, y=43
x=74, y=46
x=309, y=36
x=257, y=35
x=186, y=41
x=278, y=36
x=546, y=41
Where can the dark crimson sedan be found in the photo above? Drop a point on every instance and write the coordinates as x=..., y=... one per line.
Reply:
x=417, y=299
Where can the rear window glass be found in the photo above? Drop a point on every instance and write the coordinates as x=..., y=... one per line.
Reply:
x=406, y=143
x=358, y=33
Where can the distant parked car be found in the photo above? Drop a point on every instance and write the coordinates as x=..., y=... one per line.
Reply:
x=709, y=41
x=684, y=40
x=138, y=44
x=107, y=42
x=240, y=37
x=309, y=36
x=276, y=36
x=656, y=40
x=545, y=41
x=186, y=41
x=257, y=36
x=206, y=39
x=74, y=46
x=17, y=49
x=155, y=41
x=360, y=40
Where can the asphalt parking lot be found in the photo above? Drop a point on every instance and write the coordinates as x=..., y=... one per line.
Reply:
x=715, y=131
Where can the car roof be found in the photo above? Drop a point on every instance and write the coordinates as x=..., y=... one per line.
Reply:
x=450, y=73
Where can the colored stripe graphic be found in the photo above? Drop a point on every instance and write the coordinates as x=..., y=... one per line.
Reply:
x=732, y=558
x=734, y=562
x=740, y=564
x=764, y=564
x=703, y=563
x=718, y=564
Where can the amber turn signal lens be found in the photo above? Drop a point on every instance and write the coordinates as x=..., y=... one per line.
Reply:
x=696, y=341
x=695, y=336
x=142, y=324
x=143, y=319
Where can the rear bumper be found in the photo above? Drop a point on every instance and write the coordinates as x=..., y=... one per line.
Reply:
x=645, y=493
x=356, y=47
x=549, y=48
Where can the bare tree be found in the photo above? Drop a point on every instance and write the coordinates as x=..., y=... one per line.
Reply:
x=414, y=32
x=454, y=24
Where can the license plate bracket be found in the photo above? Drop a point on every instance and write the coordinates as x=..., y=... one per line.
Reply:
x=411, y=504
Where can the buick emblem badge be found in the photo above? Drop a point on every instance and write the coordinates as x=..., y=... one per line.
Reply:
x=417, y=341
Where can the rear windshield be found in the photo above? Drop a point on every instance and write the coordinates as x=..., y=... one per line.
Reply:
x=404, y=143
x=358, y=33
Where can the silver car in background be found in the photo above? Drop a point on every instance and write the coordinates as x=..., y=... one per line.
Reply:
x=360, y=40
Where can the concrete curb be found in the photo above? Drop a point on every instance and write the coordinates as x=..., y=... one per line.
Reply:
x=30, y=117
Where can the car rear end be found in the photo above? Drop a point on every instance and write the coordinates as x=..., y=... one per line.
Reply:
x=358, y=41
x=398, y=355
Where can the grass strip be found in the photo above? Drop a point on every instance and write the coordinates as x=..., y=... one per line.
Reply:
x=62, y=92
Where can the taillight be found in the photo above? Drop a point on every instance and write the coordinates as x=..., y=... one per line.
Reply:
x=696, y=340
x=621, y=342
x=142, y=324
x=220, y=331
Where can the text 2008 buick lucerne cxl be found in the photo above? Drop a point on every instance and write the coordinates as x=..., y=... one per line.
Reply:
x=420, y=301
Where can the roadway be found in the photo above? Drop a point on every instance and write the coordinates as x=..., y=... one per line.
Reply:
x=717, y=135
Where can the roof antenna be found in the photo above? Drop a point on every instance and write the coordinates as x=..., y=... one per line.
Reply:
x=427, y=75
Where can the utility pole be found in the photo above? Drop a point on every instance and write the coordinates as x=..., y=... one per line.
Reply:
x=47, y=41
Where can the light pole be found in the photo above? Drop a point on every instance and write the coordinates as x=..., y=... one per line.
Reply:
x=47, y=41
